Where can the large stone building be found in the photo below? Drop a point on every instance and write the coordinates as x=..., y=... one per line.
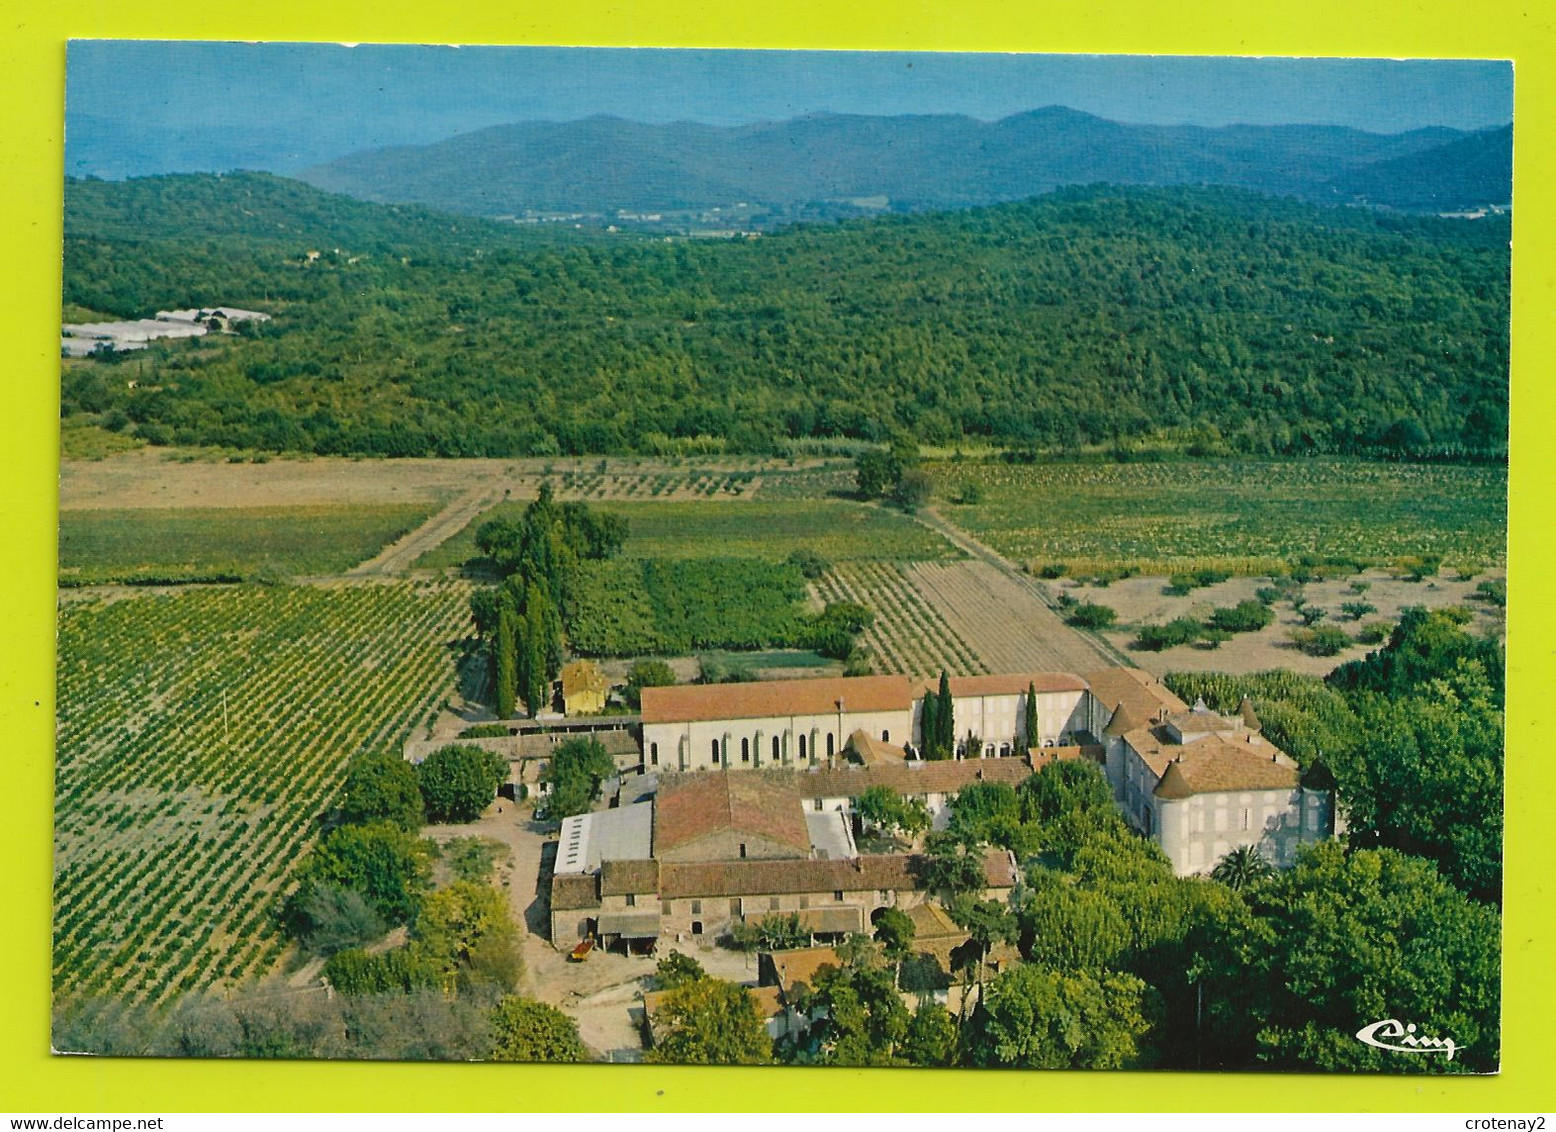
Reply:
x=1198, y=783
x=806, y=723
x=726, y=848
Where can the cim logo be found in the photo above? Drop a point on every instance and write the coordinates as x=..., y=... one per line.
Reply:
x=1391, y=1035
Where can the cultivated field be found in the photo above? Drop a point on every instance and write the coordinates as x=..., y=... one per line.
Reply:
x=201, y=738
x=908, y=636
x=1010, y=626
x=838, y=530
x=104, y=546
x=166, y=477
x=1247, y=516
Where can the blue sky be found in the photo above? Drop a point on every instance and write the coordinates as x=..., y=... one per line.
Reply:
x=141, y=107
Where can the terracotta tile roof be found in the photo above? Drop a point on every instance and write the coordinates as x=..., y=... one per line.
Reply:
x=1006, y=684
x=776, y=698
x=872, y=751
x=1201, y=718
x=573, y=892
x=884, y=872
x=1215, y=764
x=1145, y=695
x=619, y=878
x=932, y=925
x=582, y=676
x=834, y=918
x=801, y=965
x=747, y=802
x=945, y=776
x=1124, y=721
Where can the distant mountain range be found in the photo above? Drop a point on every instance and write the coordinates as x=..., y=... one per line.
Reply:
x=606, y=165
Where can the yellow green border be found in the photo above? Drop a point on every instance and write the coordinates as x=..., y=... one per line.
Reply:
x=32, y=38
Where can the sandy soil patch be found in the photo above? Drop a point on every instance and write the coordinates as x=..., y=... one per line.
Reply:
x=1140, y=601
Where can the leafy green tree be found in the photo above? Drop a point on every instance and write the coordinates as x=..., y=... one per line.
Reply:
x=876, y=471
x=676, y=970
x=947, y=864
x=646, y=674
x=988, y=922
x=894, y=931
x=534, y=677
x=458, y=782
x=1033, y=1018
x=1356, y=610
x=1349, y=938
x=710, y=1021
x=1029, y=729
x=932, y=1036
x=886, y=810
x=810, y=564
x=1072, y=928
x=856, y=1017
x=382, y=787
x=526, y=1030
x=387, y=866
x=467, y=931
x=984, y=813
x=1242, y=867
x=578, y=766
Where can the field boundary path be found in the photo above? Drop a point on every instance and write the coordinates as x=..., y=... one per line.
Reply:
x=398, y=557
x=1002, y=613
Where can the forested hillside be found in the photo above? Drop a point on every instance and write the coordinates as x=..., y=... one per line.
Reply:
x=910, y=161
x=1210, y=317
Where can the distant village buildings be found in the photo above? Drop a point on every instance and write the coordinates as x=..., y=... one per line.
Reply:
x=78, y=340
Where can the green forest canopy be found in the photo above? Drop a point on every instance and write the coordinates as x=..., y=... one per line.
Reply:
x=1086, y=316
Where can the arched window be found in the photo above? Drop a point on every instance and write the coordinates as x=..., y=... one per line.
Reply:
x=802, y=747
x=653, y=754
x=715, y=752
x=776, y=749
x=831, y=745
x=885, y=736
x=745, y=750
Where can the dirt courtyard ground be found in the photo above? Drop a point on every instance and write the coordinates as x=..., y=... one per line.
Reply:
x=1140, y=601
x=604, y=993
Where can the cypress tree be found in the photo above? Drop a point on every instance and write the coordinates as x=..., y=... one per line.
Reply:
x=507, y=660
x=945, y=718
x=928, y=728
x=535, y=683
x=1031, y=716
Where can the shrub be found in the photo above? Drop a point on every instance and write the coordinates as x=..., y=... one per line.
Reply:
x=809, y=563
x=1326, y=640
x=1052, y=570
x=1268, y=595
x=1356, y=610
x=485, y=731
x=1312, y=614
x=1493, y=590
x=1374, y=633
x=577, y=768
x=1155, y=638
x=1244, y=617
x=1089, y=615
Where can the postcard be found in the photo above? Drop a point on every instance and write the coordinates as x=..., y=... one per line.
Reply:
x=782, y=558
